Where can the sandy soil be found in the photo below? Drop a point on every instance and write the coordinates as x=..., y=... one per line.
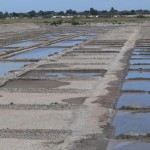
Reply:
x=18, y=27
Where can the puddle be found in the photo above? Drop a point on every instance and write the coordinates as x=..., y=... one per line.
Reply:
x=83, y=38
x=60, y=74
x=136, y=100
x=140, y=61
x=52, y=37
x=136, y=85
x=131, y=146
x=6, y=67
x=141, y=53
x=3, y=50
x=137, y=49
x=48, y=84
x=66, y=34
x=75, y=101
x=141, y=50
x=92, y=34
x=140, y=56
x=23, y=44
x=67, y=43
x=138, y=74
x=131, y=122
x=139, y=66
x=37, y=53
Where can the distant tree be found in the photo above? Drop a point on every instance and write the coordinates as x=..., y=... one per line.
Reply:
x=25, y=15
x=6, y=14
x=113, y=11
x=71, y=12
x=93, y=11
x=133, y=12
x=146, y=12
x=41, y=13
x=1, y=15
x=32, y=13
x=61, y=13
x=87, y=12
x=15, y=14
x=104, y=12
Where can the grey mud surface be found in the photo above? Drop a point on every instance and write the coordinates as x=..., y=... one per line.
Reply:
x=74, y=113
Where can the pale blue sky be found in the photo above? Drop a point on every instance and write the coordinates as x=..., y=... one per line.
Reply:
x=57, y=5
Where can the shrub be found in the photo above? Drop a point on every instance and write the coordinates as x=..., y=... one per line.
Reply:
x=74, y=22
x=56, y=22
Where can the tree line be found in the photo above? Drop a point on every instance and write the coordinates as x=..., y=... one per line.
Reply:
x=92, y=11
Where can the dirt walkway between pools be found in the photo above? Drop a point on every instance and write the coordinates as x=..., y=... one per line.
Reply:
x=92, y=128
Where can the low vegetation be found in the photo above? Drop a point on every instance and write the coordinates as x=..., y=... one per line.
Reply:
x=76, y=18
x=87, y=13
x=50, y=21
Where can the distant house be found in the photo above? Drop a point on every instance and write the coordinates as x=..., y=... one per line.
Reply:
x=56, y=17
x=81, y=16
x=93, y=16
x=115, y=16
x=62, y=17
x=70, y=17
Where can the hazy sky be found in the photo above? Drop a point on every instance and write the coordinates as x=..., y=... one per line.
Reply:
x=57, y=5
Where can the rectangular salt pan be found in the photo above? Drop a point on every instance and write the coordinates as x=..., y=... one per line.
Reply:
x=131, y=122
x=38, y=53
x=136, y=85
x=134, y=100
x=10, y=66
